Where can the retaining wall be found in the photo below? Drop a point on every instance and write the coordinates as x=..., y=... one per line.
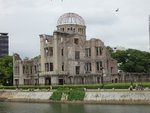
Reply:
x=118, y=97
x=135, y=97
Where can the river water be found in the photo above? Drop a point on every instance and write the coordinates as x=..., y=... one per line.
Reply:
x=8, y=107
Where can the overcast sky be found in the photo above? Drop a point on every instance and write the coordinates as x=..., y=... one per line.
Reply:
x=24, y=20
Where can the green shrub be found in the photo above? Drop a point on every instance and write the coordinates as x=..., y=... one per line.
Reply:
x=56, y=96
x=24, y=87
x=125, y=85
x=81, y=86
x=76, y=94
x=117, y=86
x=73, y=94
x=7, y=87
x=87, y=86
x=144, y=84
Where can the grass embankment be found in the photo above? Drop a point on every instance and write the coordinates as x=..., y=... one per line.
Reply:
x=87, y=86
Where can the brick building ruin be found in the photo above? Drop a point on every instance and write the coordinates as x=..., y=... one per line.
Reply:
x=66, y=57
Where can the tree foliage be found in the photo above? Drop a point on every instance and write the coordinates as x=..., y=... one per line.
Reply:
x=132, y=60
x=6, y=69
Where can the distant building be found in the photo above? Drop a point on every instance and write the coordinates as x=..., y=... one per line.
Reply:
x=4, y=44
x=67, y=57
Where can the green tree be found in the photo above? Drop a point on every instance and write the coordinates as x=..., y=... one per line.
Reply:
x=6, y=70
x=133, y=60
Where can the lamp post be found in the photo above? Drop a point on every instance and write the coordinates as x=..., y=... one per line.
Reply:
x=38, y=77
x=102, y=79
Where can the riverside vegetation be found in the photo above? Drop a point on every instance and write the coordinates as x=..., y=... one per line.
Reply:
x=65, y=93
x=70, y=94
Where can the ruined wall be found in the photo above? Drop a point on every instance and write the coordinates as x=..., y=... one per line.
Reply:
x=136, y=77
x=123, y=77
x=25, y=71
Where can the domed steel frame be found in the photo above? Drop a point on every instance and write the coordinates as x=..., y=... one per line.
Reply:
x=70, y=18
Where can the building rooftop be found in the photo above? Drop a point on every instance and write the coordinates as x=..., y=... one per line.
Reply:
x=2, y=34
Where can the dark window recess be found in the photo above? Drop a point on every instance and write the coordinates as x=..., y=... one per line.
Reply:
x=46, y=51
x=47, y=81
x=98, y=79
x=76, y=41
x=23, y=69
x=116, y=80
x=31, y=69
x=88, y=67
x=98, y=51
x=87, y=52
x=51, y=66
x=99, y=66
x=51, y=51
x=111, y=68
x=46, y=66
x=35, y=69
x=61, y=81
x=27, y=69
x=77, y=54
x=62, y=52
x=77, y=69
x=63, y=67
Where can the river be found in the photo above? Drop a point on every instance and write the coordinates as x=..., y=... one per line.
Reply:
x=13, y=107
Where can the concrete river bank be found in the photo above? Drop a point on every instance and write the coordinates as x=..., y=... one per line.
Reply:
x=103, y=97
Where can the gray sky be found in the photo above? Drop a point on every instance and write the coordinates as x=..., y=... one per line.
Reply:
x=24, y=20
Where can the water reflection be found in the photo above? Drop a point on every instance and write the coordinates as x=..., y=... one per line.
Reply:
x=7, y=107
x=67, y=108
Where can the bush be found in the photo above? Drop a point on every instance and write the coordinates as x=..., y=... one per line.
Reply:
x=7, y=87
x=87, y=86
x=73, y=94
x=76, y=94
x=56, y=96
x=24, y=87
x=117, y=86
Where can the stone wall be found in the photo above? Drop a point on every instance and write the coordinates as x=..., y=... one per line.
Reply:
x=15, y=95
x=136, y=77
x=130, y=77
x=118, y=97
x=125, y=97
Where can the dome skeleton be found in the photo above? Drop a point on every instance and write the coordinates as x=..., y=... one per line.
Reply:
x=70, y=18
